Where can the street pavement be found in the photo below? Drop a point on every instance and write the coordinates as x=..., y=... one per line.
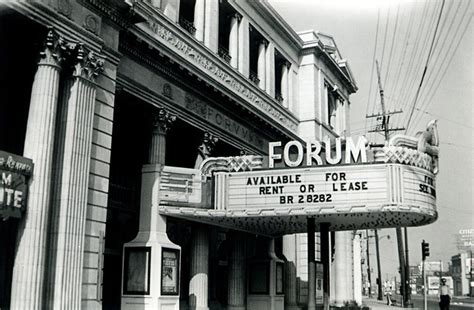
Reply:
x=457, y=303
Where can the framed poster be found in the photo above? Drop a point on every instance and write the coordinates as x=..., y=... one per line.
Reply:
x=280, y=273
x=169, y=271
x=137, y=271
x=259, y=278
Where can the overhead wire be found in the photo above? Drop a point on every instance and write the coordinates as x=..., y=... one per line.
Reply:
x=426, y=68
x=410, y=69
x=372, y=70
x=382, y=57
x=429, y=91
x=419, y=55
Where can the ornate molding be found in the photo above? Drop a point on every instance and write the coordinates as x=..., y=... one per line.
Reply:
x=162, y=121
x=211, y=67
x=86, y=63
x=54, y=50
x=231, y=164
x=208, y=143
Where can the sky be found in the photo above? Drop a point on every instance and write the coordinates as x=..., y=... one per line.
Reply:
x=405, y=37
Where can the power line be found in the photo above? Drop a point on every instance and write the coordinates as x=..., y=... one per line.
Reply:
x=373, y=63
x=427, y=92
x=444, y=118
x=426, y=67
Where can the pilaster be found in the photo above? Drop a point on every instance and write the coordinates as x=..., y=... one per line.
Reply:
x=29, y=268
x=199, y=19
x=234, y=40
x=262, y=66
x=72, y=163
x=211, y=25
x=170, y=8
x=243, y=54
x=284, y=84
x=270, y=69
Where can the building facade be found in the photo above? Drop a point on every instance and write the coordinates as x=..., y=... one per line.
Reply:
x=101, y=95
x=461, y=265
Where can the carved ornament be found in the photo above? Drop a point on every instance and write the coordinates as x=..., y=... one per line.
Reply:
x=54, y=49
x=210, y=66
x=163, y=121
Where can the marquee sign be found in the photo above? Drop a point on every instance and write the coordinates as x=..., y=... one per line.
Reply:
x=14, y=172
x=351, y=185
x=344, y=183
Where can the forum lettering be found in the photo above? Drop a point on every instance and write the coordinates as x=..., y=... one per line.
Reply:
x=333, y=152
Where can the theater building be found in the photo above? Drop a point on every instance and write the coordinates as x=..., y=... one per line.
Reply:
x=109, y=100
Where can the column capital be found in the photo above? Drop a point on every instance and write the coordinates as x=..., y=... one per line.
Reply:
x=85, y=63
x=208, y=143
x=236, y=15
x=287, y=64
x=264, y=42
x=54, y=49
x=162, y=121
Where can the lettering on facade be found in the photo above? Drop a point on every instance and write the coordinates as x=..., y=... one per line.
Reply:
x=201, y=109
x=210, y=66
x=353, y=152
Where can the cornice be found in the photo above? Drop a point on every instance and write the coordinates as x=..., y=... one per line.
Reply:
x=172, y=41
x=317, y=50
x=50, y=18
x=276, y=21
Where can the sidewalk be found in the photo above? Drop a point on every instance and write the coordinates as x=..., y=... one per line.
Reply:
x=375, y=304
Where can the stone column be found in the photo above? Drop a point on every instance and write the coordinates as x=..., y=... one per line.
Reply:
x=234, y=40
x=289, y=251
x=236, y=285
x=161, y=124
x=199, y=19
x=72, y=163
x=270, y=69
x=29, y=267
x=211, y=24
x=170, y=8
x=284, y=83
x=262, y=47
x=357, y=270
x=199, y=271
x=244, y=46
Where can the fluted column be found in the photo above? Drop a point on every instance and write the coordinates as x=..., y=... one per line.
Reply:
x=236, y=279
x=199, y=19
x=161, y=123
x=289, y=251
x=29, y=268
x=284, y=83
x=71, y=181
x=199, y=271
x=262, y=47
x=234, y=40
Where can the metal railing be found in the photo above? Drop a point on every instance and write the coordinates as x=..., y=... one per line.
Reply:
x=187, y=25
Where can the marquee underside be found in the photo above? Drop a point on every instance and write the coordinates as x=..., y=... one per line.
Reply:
x=277, y=222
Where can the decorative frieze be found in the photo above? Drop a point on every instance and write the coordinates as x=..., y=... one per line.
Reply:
x=205, y=63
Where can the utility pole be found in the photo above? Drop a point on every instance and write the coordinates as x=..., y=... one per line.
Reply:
x=384, y=117
x=408, y=302
x=368, y=264
x=379, y=271
x=384, y=127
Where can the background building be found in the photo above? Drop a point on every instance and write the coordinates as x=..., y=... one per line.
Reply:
x=92, y=91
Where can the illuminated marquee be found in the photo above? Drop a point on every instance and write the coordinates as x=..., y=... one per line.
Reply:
x=328, y=187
